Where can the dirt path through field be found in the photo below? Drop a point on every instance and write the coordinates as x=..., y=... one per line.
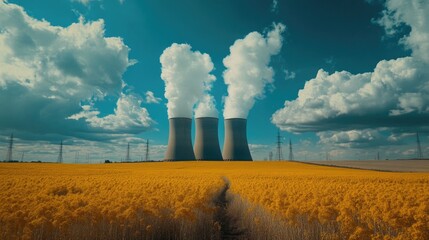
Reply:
x=228, y=224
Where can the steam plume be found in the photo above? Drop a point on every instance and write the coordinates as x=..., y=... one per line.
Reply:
x=206, y=107
x=247, y=71
x=187, y=78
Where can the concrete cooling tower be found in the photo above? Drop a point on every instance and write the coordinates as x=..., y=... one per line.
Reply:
x=179, y=140
x=206, y=139
x=235, y=145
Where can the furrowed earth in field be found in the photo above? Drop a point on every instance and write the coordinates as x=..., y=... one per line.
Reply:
x=210, y=200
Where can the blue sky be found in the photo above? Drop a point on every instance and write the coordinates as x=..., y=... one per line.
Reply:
x=335, y=113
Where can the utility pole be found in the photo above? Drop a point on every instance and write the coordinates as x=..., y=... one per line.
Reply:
x=127, y=158
x=290, y=150
x=147, y=151
x=378, y=155
x=60, y=155
x=10, y=149
x=270, y=156
x=279, y=146
x=419, y=147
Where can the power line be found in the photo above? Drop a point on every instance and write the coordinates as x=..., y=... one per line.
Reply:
x=60, y=155
x=290, y=150
x=279, y=146
x=128, y=158
x=147, y=150
x=419, y=147
x=10, y=149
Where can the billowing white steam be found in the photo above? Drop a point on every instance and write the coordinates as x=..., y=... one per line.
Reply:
x=206, y=107
x=187, y=80
x=247, y=71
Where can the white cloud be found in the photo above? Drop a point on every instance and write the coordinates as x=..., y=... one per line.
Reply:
x=84, y=2
x=398, y=137
x=150, y=98
x=395, y=89
x=289, y=74
x=414, y=14
x=87, y=2
x=395, y=94
x=352, y=138
x=187, y=78
x=274, y=6
x=48, y=71
x=128, y=115
x=248, y=71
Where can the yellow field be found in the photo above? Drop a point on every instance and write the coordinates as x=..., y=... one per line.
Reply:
x=366, y=204
x=175, y=200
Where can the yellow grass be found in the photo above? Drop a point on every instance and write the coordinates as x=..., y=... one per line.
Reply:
x=175, y=199
x=116, y=200
x=366, y=204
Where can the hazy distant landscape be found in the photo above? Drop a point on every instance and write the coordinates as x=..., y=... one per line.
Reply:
x=383, y=165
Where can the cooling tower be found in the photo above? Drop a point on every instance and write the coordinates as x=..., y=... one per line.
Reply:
x=235, y=146
x=206, y=139
x=179, y=140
